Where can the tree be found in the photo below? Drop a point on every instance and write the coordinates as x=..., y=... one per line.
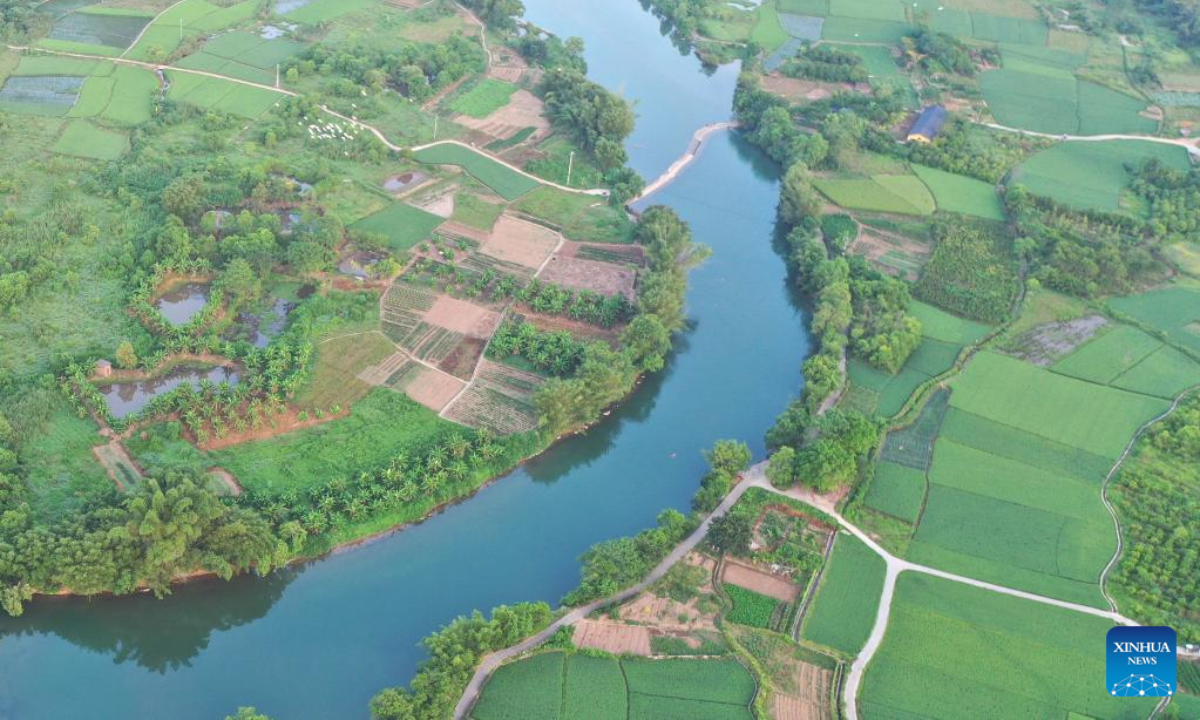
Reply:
x=782, y=469
x=126, y=356
x=185, y=197
x=731, y=533
x=798, y=200
x=239, y=281
x=247, y=713
x=648, y=340
x=729, y=456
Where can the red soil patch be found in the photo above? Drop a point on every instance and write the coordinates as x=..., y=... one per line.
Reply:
x=462, y=317
x=433, y=389
x=612, y=637
x=463, y=358
x=760, y=581
x=279, y=424
x=607, y=279
x=554, y=323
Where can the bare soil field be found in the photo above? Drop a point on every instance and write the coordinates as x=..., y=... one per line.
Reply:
x=459, y=230
x=614, y=637
x=463, y=317
x=116, y=462
x=520, y=242
x=554, y=323
x=523, y=110
x=1045, y=344
x=797, y=89
x=433, y=389
x=811, y=701
x=758, y=580
x=607, y=279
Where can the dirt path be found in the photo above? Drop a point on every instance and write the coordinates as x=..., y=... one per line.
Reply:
x=698, y=139
x=1189, y=145
x=138, y=39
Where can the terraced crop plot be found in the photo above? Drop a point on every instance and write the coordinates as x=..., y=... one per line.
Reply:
x=508, y=183
x=843, y=610
x=500, y=399
x=1091, y=175
x=550, y=686
x=1027, y=659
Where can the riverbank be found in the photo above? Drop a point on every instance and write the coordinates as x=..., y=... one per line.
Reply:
x=699, y=138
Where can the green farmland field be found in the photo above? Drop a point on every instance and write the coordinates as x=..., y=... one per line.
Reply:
x=953, y=651
x=941, y=325
x=1164, y=373
x=1091, y=175
x=898, y=491
x=579, y=216
x=843, y=612
x=750, y=608
x=212, y=93
x=1174, y=311
x=403, y=225
x=319, y=11
x=508, y=183
x=1101, y=360
x=1096, y=419
x=1054, y=102
x=484, y=99
x=196, y=17
x=551, y=686
x=81, y=138
x=845, y=29
x=903, y=194
x=956, y=193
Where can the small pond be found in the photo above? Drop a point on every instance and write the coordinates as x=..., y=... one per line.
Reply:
x=396, y=183
x=126, y=398
x=181, y=303
x=56, y=90
x=58, y=8
x=359, y=264
x=261, y=327
x=283, y=7
x=288, y=219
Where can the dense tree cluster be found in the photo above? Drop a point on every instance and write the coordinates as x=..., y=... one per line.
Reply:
x=1158, y=496
x=585, y=305
x=1183, y=16
x=416, y=71
x=597, y=119
x=1174, y=199
x=966, y=150
x=557, y=353
x=168, y=525
x=454, y=651
x=822, y=62
x=1081, y=253
x=616, y=564
x=726, y=460
x=971, y=272
x=939, y=52
x=20, y=20
x=881, y=332
x=551, y=51
x=827, y=450
x=32, y=251
x=683, y=17
x=498, y=14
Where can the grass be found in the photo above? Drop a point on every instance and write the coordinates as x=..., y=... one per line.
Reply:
x=581, y=217
x=1171, y=311
x=768, y=32
x=954, y=651
x=903, y=194
x=82, y=139
x=1186, y=255
x=334, y=379
x=553, y=685
x=484, y=99
x=1091, y=175
x=319, y=11
x=843, y=612
x=379, y=426
x=508, y=183
x=749, y=607
x=470, y=209
x=956, y=193
x=898, y=491
x=1097, y=419
x=62, y=473
x=402, y=225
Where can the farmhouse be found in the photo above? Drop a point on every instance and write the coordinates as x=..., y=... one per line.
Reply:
x=928, y=124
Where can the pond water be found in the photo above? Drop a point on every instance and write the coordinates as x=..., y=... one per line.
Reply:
x=58, y=8
x=127, y=398
x=260, y=328
x=396, y=183
x=319, y=641
x=181, y=303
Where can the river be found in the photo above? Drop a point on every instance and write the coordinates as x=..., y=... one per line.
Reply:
x=318, y=641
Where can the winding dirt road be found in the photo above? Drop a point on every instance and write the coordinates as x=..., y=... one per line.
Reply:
x=1188, y=144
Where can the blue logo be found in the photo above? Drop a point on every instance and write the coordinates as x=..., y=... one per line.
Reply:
x=1141, y=661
